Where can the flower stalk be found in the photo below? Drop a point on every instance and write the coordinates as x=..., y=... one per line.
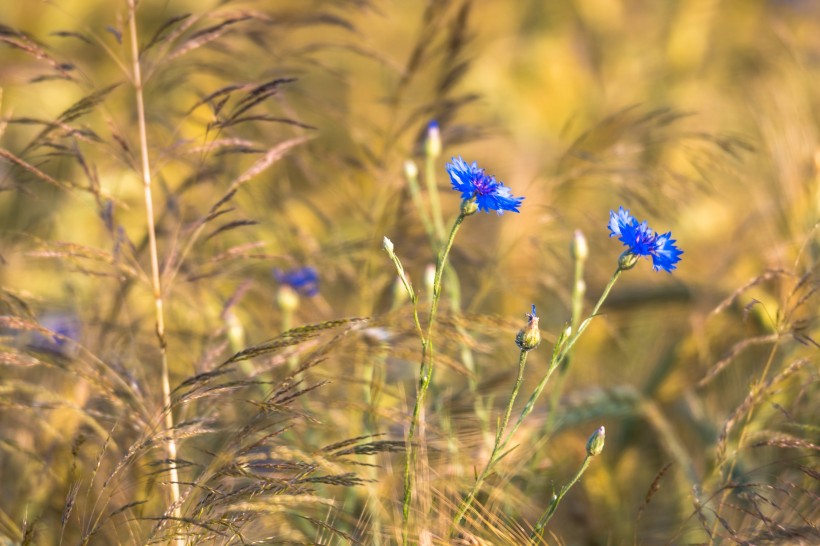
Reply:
x=479, y=191
x=425, y=375
x=595, y=445
x=527, y=339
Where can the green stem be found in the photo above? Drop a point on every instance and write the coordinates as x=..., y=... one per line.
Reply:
x=545, y=518
x=425, y=376
x=495, y=456
x=560, y=352
x=578, y=292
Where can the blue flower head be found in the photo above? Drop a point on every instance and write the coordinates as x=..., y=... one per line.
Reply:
x=66, y=331
x=640, y=240
x=304, y=280
x=474, y=183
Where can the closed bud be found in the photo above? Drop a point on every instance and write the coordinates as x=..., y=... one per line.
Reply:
x=529, y=337
x=432, y=145
x=595, y=444
x=388, y=246
x=469, y=206
x=579, y=249
x=627, y=260
x=287, y=298
x=411, y=171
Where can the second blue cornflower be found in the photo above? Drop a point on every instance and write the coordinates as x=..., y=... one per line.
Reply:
x=304, y=280
x=474, y=183
x=640, y=240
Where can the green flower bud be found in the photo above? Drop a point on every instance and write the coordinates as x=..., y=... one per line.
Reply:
x=388, y=246
x=287, y=298
x=432, y=146
x=411, y=171
x=529, y=337
x=469, y=206
x=578, y=249
x=595, y=444
x=627, y=260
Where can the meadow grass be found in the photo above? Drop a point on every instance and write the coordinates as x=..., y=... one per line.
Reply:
x=232, y=310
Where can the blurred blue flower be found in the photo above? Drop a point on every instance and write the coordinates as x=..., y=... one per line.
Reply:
x=640, y=240
x=304, y=280
x=66, y=330
x=473, y=182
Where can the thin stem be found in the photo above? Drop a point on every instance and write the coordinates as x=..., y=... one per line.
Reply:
x=496, y=455
x=545, y=518
x=156, y=285
x=425, y=376
x=578, y=292
x=560, y=352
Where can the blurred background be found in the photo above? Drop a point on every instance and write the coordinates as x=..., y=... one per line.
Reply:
x=701, y=117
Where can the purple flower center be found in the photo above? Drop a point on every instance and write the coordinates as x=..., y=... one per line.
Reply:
x=484, y=185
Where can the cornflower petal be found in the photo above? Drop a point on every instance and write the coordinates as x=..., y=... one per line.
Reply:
x=618, y=220
x=665, y=254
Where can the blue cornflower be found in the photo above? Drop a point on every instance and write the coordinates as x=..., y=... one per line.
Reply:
x=640, y=240
x=304, y=280
x=474, y=183
x=66, y=331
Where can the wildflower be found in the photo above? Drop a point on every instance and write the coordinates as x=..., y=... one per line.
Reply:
x=529, y=337
x=65, y=331
x=304, y=280
x=640, y=240
x=595, y=444
x=475, y=184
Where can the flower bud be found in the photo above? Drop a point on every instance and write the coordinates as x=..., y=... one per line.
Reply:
x=627, y=260
x=388, y=246
x=287, y=298
x=595, y=444
x=578, y=249
x=432, y=146
x=529, y=337
x=469, y=206
x=411, y=170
